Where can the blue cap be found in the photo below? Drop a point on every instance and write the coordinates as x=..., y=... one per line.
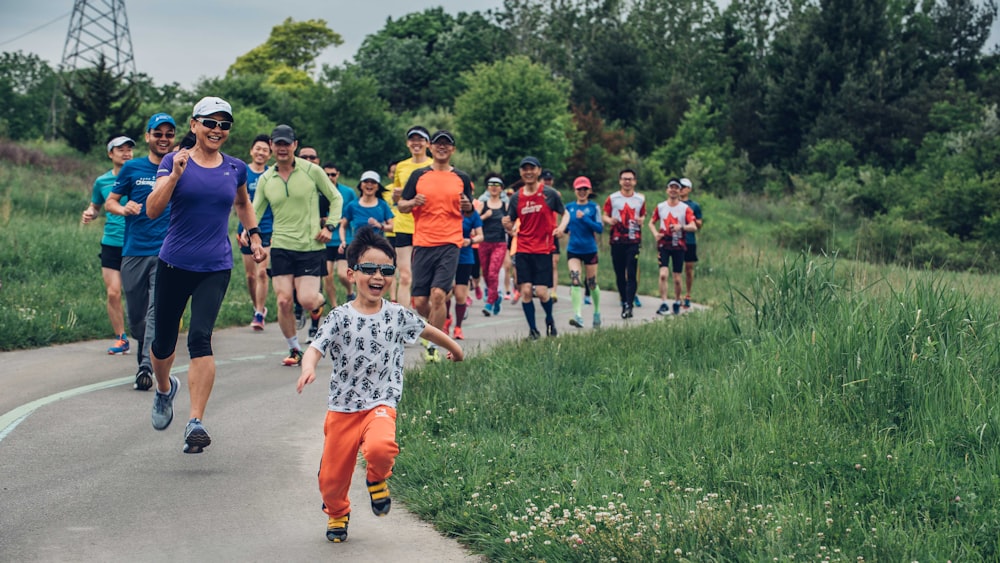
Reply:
x=159, y=119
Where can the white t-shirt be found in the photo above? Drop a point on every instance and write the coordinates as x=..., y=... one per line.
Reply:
x=367, y=353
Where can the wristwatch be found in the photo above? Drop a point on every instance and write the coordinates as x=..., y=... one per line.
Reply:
x=329, y=227
x=253, y=231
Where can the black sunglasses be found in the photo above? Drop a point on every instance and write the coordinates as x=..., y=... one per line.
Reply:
x=160, y=135
x=213, y=123
x=309, y=156
x=369, y=269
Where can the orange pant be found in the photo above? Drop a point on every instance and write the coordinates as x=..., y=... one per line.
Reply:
x=374, y=433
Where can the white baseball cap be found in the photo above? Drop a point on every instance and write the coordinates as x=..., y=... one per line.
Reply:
x=371, y=175
x=211, y=104
x=119, y=141
x=686, y=183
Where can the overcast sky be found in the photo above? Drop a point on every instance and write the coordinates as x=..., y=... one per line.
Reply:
x=183, y=40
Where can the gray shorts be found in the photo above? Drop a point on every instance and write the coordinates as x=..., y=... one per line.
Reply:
x=433, y=266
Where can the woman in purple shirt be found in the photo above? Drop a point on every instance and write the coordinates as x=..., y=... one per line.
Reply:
x=202, y=185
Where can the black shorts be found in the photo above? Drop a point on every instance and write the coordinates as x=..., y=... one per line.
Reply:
x=265, y=241
x=463, y=274
x=675, y=254
x=691, y=254
x=535, y=269
x=111, y=257
x=433, y=266
x=477, y=270
x=586, y=259
x=297, y=264
x=402, y=240
x=333, y=253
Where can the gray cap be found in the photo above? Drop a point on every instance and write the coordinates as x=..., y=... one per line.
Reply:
x=283, y=133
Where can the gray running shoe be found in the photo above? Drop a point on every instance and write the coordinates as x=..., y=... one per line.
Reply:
x=196, y=439
x=576, y=321
x=163, y=405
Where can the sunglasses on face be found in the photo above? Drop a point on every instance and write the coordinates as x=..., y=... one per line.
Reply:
x=369, y=269
x=160, y=135
x=213, y=123
x=309, y=156
x=333, y=174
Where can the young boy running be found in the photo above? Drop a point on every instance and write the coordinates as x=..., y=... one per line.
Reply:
x=365, y=339
x=671, y=220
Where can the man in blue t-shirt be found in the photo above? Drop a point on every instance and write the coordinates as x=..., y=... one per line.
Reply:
x=120, y=152
x=143, y=238
x=256, y=272
x=691, y=254
x=336, y=260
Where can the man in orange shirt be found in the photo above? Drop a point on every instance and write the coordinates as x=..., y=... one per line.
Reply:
x=437, y=196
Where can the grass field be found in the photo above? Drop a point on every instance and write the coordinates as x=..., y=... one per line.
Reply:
x=821, y=410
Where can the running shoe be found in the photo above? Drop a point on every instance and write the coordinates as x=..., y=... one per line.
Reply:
x=627, y=311
x=576, y=321
x=507, y=296
x=336, y=528
x=121, y=346
x=636, y=302
x=597, y=320
x=687, y=302
x=550, y=328
x=431, y=355
x=534, y=334
x=447, y=324
x=677, y=307
x=163, y=405
x=468, y=300
x=312, y=332
x=664, y=309
x=515, y=297
x=196, y=439
x=258, y=322
x=587, y=300
x=496, y=306
x=379, y=493
x=458, y=333
x=554, y=297
x=488, y=309
x=143, y=379
x=294, y=358
x=479, y=293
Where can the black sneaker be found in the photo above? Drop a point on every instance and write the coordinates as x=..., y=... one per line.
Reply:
x=628, y=311
x=379, y=493
x=336, y=528
x=143, y=379
x=550, y=328
x=677, y=308
x=196, y=439
x=663, y=310
x=534, y=334
x=312, y=332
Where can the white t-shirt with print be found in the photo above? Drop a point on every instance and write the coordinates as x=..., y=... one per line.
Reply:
x=367, y=353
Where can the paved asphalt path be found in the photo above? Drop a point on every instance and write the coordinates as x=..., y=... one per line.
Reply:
x=84, y=477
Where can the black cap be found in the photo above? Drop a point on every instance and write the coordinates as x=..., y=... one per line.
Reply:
x=443, y=134
x=283, y=133
x=530, y=160
x=546, y=175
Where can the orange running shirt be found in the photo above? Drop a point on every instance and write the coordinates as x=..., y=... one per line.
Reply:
x=439, y=220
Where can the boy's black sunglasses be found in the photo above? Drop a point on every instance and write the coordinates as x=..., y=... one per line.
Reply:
x=369, y=269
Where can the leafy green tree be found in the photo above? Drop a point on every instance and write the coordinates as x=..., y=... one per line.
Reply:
x=27, y=85
x=417, y=59
x=289, y=54
x=349, y=123
x=599, y=152
x=512, y=108
x=100, y=104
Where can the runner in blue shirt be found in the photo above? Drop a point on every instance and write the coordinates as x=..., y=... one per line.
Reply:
x=583, y=221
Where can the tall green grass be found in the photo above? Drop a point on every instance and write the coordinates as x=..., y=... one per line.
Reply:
x=809, y=418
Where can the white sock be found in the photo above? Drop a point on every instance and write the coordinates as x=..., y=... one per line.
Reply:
x=293, y=343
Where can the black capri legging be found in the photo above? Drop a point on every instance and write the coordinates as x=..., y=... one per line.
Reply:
x=174, y=287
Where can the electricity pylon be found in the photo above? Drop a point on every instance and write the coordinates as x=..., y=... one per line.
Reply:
x=96, y=28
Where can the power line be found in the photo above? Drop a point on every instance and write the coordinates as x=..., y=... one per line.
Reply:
x=30, y=31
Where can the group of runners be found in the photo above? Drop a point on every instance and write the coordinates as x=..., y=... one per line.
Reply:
x=167, y=243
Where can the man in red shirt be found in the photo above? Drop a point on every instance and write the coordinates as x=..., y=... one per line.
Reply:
x=539, y=210
x=437, y=196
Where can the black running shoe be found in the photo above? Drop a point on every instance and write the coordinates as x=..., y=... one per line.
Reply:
x=534, y=334
x=550, y=328
x=143, y=379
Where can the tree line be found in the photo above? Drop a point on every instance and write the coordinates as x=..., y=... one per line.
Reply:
x=877, y=116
